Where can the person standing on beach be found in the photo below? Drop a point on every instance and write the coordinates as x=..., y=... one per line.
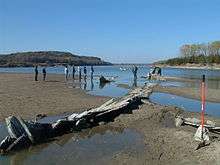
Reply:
x=36, y=72
x=85, y=72
x=66, y=71
x=159, y=71
x=92, y=71
x=44, y=73
x=134, y=70
x=74, y=71
x=79, y=71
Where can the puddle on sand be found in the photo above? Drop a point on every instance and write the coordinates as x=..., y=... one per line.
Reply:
x=185, y=103
x=3, y=131
x=92, y=146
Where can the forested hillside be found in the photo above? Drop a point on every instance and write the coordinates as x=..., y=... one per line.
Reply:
x=49, y=58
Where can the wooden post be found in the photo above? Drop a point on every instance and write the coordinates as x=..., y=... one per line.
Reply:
x=203, y=102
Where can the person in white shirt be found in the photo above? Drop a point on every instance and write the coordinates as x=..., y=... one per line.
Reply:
x=66, y=71
x=80, y=72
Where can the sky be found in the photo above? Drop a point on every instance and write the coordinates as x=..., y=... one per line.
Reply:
x=118, y=31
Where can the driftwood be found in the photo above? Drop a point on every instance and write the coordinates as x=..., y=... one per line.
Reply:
x=25, y=133
x=102, y=79
x=210, y=125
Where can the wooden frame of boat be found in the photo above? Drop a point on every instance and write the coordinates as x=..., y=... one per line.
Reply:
x=25, y=133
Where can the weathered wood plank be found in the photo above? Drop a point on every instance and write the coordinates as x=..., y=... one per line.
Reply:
x=196, y=123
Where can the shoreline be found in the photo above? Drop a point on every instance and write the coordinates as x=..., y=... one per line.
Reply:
x=193, y=66
x=45, y=65
x=163, y=142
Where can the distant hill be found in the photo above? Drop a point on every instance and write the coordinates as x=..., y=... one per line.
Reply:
x=47, y=58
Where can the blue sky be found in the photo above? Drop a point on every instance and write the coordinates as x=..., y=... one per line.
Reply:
x=120, y=31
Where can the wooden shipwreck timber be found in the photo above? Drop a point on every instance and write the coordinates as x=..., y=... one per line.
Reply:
x=194, y=122
x=26, y=133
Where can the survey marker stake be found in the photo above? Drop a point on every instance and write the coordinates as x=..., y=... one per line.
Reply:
x=201, y=134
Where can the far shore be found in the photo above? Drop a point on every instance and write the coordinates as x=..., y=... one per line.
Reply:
x=191, y=66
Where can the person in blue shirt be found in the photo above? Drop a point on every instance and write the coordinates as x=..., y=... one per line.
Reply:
x=74, y=71
x=85, y=72
x=36, y=73
x=44, y=73
x=92, y=71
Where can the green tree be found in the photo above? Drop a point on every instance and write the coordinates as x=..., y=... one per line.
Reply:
x=215, y=48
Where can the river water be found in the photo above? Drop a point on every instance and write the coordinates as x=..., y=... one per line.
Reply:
x=94, y=146
x=115, y=89
x=126, y=77
x=185, y=103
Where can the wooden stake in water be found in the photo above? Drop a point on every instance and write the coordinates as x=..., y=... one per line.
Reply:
x=203, y=102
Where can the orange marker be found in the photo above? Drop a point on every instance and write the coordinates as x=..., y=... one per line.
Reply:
x=203, y=102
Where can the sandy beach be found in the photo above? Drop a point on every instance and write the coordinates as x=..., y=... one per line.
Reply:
x=21, y=95
x=163, y=142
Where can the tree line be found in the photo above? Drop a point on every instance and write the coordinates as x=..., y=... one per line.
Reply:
x=47, y=58
x=203, y=53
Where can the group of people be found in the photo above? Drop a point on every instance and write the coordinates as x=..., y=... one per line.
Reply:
x=67, y=75
x=44, y=72
x=154, y=71
x=66, y=72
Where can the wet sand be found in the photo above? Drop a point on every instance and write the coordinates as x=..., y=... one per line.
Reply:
x=212, y=95
x=21, y=95
x=191, y=66
x=163, y=142
x=180, y=79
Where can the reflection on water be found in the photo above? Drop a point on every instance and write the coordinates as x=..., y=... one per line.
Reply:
x=185, y=103
x=134, y=82
x=103, y=84
x=94, y=87
x=127, y=77
x=92, y=84
x=85, y=84
x=91, y=146
x=113, y=89
x=3, y=131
